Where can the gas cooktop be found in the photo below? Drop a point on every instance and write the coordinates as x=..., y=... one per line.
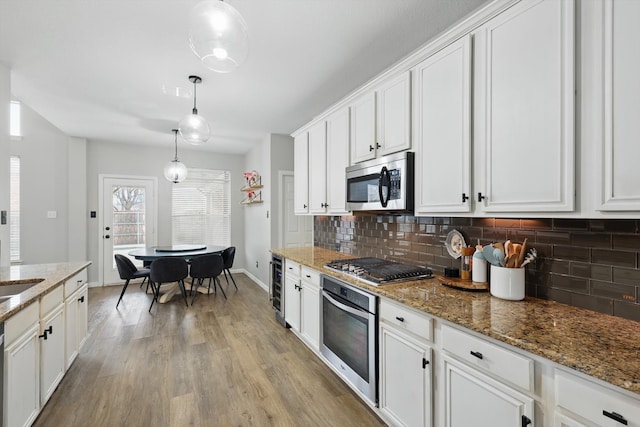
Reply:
x=376, y=271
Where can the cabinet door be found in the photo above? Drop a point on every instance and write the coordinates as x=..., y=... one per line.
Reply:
x=442, y=123
x=310, y=314
x=337, y=160
x=405, y=378
x=621, y=149
x=71, y=319
x=525, y=109
x=473, y=399
x=292, y=302
x=82, y=300
x=22, y=379
x=301, y=173
x=363, y=128
x=318, y=168
x=52, y=359
x=394, y=115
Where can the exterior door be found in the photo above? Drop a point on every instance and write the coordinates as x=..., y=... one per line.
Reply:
x=128, y=220
x=296, y=230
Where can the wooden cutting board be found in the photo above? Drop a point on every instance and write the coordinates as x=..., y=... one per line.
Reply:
x=467, y=285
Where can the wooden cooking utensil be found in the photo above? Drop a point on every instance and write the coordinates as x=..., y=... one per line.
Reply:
x=523, y=251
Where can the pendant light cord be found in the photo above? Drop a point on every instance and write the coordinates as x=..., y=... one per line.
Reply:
x=175, y=132
x=195, y=110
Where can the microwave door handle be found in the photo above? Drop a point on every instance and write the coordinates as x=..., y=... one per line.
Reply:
x=384, y=181
x=344, y=307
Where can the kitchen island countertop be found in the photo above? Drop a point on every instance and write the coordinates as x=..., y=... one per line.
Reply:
x=49, y=276
x=602, y=346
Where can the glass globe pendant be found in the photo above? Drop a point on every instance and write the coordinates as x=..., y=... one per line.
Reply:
x=175, y=171
x=218, y=35
x=194, y=128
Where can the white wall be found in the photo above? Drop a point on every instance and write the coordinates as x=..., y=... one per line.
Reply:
x=281, y=160
x=104, y=157
x=275, y=153
x=43, y=188
x=5, y=99
x=257, y=219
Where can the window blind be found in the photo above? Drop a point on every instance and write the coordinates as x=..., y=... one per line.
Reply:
x=201, y=208
x=14, y=209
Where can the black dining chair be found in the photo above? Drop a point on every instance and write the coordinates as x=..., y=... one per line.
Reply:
x=206, y=267
x=168, y=270
x=227, y=256
x=127, y=271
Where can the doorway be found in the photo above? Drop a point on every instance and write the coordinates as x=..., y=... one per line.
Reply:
x=127, y=220
x=295, y=230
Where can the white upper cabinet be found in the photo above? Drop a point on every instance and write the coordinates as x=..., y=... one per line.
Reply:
x=524, y=109
x=317, y=168
x=301, y=173
x=620, y=145
x=381, y=119
x=363, y=128
x=394, y=115
x=337, y=160
x=442, y=129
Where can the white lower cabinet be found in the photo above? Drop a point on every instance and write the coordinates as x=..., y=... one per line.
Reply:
x=474, y=399
x=594, y=403
x=405, y=378
x=310, y=307
x=41, y=341
x=292, y=294
x=22, y=368
x=52, y=345
x=405, y=365
x=486, y=386
x=76, y=303
x=302, y=302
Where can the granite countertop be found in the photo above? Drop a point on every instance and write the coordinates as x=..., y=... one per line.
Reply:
x=49, y=277
x=602, y=346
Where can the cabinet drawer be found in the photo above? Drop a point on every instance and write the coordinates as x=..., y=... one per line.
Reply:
x=51, y=300
x=489, y=357
x=590, y=400
x=74, y=283
x=309, y=275
x=406, y=318
x=292, y=268
x=16, y=325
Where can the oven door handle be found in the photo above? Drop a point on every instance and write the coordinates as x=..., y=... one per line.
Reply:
x=344, y=307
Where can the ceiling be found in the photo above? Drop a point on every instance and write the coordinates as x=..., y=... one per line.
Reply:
x=109, y=69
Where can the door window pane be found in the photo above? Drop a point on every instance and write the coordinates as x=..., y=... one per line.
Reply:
x=128, y=231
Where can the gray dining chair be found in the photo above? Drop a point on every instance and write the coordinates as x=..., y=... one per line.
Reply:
x=167, y=270
x=206, y=267
x=128, y=271
x=227, y=256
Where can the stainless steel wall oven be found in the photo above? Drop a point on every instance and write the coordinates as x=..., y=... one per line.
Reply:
x=349, y=334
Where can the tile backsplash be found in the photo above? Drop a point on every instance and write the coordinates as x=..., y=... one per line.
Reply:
x=589, y=263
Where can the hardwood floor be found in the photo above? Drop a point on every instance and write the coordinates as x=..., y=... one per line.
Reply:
x=216, y=363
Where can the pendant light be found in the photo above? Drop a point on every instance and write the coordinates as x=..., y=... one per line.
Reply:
x=218, y=35
x=175, y=171
x=194, y=128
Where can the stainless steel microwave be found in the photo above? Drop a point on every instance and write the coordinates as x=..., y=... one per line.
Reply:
x=382, y=184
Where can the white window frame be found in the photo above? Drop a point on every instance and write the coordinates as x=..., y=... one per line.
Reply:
x=201, y=208
x=15, y=120
x=15, y=255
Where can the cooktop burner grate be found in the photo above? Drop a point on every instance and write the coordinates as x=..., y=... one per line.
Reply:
x=378, y=271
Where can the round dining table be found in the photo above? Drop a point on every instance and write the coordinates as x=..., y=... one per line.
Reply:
x=183, y=251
